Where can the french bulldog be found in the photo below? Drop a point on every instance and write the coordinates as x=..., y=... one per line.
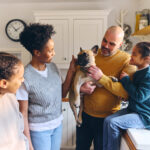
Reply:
x=85, y=59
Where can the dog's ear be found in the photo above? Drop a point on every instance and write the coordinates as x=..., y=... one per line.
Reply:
x=81, y=49
x=95, y=49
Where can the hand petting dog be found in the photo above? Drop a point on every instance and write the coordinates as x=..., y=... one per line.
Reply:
x=95, y=73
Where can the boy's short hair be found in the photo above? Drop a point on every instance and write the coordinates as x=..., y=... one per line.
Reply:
x=35, y=36
x=8, y=63
x=143, y=48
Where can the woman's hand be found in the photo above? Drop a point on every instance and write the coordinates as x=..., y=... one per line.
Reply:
x=70, y=74
x=72, y=66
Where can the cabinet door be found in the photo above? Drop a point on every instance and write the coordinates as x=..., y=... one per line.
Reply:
x=61, y=40
x=87, y=33
x=69, y=127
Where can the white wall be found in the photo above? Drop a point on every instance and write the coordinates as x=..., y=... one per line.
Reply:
x=143, y=4
x=25, y=11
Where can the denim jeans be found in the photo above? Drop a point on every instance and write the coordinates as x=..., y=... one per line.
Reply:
x=47, y=140
x=115, y=124
x=90, y=131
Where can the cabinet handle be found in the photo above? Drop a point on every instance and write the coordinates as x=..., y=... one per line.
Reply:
x=64, y=109
x=65, y=58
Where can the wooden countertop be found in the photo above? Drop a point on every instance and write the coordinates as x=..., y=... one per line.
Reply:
x=128, y=140
x=65, y=99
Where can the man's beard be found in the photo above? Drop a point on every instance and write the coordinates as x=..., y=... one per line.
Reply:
x=105, y=51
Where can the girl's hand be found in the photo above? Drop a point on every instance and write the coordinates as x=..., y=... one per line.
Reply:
x=122, y=75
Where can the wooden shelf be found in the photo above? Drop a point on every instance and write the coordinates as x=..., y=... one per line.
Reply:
x=65, y=99
x=143, y=34
x=144, y=31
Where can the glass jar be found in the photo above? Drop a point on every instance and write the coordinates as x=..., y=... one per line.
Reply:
x=143, y=22
x=138, y=16
x=145, y=12
x=149, y=17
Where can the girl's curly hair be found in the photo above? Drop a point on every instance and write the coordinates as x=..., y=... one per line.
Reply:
x=8, y=64
x=35, y=36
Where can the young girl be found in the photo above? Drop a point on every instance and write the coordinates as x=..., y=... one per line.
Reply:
x=137, y=114
x=40, y=96
x=11, y=121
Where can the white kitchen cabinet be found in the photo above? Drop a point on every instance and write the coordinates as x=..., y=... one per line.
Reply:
x=74, y=29
x=69, y=128
x=61, y=39
x=87, y=33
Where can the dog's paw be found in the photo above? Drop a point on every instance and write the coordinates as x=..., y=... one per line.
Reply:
x=77, y=103
x=114, y=79
x=76, y=106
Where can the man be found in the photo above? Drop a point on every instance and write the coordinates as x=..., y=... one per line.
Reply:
x=104, y=101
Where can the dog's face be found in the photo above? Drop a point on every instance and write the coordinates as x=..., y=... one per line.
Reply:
x=86, y=58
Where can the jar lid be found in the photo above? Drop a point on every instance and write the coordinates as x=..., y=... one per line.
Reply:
x=138, y=12
x=143, y=17
x=145, y=11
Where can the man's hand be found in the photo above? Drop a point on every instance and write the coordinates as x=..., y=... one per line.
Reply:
x=87, y=88
x=95, y=73
x=122, y=75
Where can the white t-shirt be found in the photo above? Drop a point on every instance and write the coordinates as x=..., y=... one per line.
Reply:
x=11, y=125
x=22, y=94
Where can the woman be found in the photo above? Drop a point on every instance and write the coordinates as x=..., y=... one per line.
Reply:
x=41, y=94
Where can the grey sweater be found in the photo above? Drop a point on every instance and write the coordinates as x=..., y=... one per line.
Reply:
x=45, y=94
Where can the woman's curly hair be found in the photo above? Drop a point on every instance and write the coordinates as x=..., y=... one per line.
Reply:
x=35, y=36
x=8, y=64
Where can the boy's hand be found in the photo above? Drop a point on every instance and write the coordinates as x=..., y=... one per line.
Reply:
x=122, y=99
x=122, y=75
